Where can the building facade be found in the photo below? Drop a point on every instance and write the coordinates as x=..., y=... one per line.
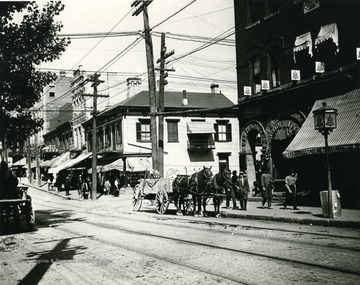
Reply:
x=200, y=129
x=289, y=55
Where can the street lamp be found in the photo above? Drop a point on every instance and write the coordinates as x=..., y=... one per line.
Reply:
x=325, y=123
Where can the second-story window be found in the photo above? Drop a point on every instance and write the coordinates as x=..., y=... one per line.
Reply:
x=255, y=73
x=172, y=130
x=143, y=131
x=223, y=131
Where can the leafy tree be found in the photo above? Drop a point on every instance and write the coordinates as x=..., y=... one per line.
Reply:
x=28, y=37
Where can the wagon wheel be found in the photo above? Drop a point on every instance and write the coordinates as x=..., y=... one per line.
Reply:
x=188, y=205
x=137, y=198
x=162, y=201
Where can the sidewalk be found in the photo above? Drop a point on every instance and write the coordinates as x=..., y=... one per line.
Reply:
x=305, y=215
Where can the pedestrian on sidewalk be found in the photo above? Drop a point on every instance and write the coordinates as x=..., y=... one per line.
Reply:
x=290, y=190
x=243, y=189
x=232, y=193
x=267, y=184
x=67, y=184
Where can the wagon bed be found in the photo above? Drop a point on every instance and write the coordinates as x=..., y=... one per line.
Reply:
x=158, y=189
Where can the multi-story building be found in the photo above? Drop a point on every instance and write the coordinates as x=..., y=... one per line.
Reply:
x=290, y=54
x=200, y=129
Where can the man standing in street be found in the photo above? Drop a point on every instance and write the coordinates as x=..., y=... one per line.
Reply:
x=290, y=188
x=267, y=184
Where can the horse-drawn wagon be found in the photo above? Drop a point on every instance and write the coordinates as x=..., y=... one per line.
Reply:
x=187, y=192
x=158, y=189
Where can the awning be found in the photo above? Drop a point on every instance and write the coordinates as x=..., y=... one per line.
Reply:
x=328, y=32
x=115, y=165
x=302, y=42
x=50, y=162
x=135, y=164
x=346, y=137
x=21, y=162
x=69, y=163
x=200, y=128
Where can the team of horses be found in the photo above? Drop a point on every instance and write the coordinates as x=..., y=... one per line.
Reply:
x=191, y=192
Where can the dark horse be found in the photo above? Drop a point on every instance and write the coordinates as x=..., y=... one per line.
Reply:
x=193, y=186
x=221, y=184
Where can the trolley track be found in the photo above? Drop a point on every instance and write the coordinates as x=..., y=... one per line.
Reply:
x=138, y=233
x=191, y=220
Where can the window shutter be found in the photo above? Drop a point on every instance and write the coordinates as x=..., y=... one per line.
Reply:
x=216, y=132
x=138, y=132
x=228, y=133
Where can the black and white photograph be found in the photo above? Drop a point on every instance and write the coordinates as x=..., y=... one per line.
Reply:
x=180, y=142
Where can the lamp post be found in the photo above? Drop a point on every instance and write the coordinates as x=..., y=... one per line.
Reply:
x=325, y=122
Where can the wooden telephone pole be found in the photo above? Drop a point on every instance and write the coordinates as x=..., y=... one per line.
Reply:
x=163, y=82
x=95, y=82
x=151, y=77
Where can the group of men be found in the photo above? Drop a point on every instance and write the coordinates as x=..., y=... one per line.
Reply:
x=241, y=189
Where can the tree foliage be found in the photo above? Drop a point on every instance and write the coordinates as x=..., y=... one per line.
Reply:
x=28, y=37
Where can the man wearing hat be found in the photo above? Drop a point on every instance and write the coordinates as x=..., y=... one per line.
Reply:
x=243, y=189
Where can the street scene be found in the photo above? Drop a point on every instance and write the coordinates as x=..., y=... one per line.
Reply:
x=104, y=241
x=178, y=142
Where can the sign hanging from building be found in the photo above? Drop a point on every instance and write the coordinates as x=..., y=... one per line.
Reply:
x=265, y=84
x=358, y=53
x=247, y=90
x=319, y=67
x=257, y=88
x=295, y=74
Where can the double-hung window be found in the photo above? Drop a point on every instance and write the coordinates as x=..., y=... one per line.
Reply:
x=222, y=131
x=143, y=133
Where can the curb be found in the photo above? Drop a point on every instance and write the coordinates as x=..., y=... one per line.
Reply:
x=305, y=221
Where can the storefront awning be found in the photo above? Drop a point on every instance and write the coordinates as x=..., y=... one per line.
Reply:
x=328, y=32
x=21, y=162
x=302, y=42
x=346, y=137
x=115, y=165
x=69, y=163
x=50, y=162
x=135, y=164
x=200, y=128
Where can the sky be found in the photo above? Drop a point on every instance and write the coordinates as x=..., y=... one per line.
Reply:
x=124, y=56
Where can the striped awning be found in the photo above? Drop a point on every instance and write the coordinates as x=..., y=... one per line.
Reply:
x=346, y=137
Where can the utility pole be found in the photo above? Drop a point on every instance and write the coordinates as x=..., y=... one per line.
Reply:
x=95, y=82
x=151, y=77
x=163, y=82
x=37, y=160
x=29, y=159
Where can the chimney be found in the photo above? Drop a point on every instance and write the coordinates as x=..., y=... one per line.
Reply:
x=214, y=88
x=133, y=86
x=185, y=100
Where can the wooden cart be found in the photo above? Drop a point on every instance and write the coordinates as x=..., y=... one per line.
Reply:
x=159, y=189
x=14, y=209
